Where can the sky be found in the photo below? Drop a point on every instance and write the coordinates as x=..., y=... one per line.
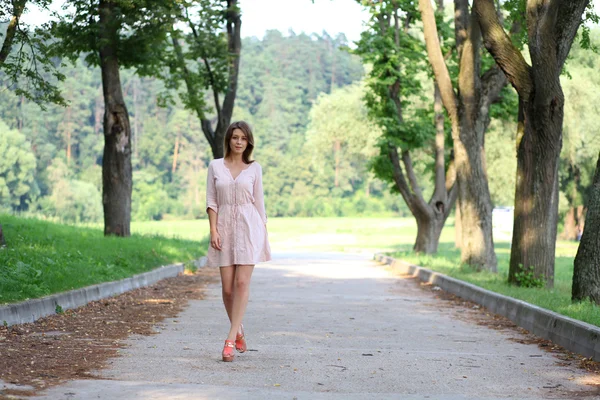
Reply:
x=333, y=16
x=308, y=16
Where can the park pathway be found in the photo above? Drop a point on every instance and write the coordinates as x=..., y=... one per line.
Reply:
x=330, y=326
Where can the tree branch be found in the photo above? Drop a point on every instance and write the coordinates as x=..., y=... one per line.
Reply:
x=234, y=44
x=399, y=179
x=570, y=15
x=507, y=56
x=211, y=77
x=192, y=92
x=18, y=7
x=461, y=23
x=436, y=59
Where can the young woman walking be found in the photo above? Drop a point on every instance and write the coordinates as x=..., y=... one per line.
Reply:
x=238, y=226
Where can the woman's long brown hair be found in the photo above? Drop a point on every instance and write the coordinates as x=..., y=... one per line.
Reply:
x=244, y=127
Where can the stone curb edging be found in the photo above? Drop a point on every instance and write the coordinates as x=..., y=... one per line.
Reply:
x=576, y=336
x=31, y=310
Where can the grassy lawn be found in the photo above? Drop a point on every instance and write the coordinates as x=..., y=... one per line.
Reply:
x=44, y=258
x=558, y=299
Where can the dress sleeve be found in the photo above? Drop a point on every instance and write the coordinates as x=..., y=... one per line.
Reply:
x=259, y=198
x=211, y=190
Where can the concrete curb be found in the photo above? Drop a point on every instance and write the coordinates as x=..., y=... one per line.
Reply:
x=31, y=310
x=576, y=336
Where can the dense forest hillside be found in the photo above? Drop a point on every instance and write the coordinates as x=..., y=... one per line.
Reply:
x=54, y=156
x=303, y=95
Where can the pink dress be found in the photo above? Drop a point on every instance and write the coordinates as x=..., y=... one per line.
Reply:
x=241, y=217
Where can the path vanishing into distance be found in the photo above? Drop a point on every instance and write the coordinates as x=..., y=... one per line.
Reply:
x=331, y=326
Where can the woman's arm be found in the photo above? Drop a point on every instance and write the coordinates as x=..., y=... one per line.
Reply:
x=212, y=208
x=259, y=198
x=215, y=238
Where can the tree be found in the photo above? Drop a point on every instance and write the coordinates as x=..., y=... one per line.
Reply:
x=580, y=144
x=468, y=109
x=208, y=59
x=551, y=29
x=586, y=273
x=108, y=30
x=24, y=57
x=340, y=138
x=394, y=52
x=17, y=169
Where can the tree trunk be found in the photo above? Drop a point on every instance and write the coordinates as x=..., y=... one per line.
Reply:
x=68, y=135
x=469, y=112
x=536, y=195
x=586, y=273
x=429, y=229
x=551, y=28
x=457, y=226
x=477, y=244
x=136, y=119
x=570, y=229
x=336, y=152
x=116, y=163
x=175, y=154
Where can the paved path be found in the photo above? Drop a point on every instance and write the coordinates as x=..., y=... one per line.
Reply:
x=329, y=326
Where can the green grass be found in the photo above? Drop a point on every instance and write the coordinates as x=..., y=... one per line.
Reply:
x=558, y=299
x=44, y=258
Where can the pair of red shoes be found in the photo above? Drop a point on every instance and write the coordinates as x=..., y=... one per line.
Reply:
x=240, y=345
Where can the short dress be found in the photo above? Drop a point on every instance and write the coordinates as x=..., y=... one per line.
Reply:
x=241, y=217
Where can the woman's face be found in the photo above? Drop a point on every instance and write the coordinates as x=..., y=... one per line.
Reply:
x=238, y=142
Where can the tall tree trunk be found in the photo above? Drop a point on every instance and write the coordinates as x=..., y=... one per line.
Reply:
x=68, y=135
x=98, y=111
x=429, y=230
x=216, y=135
x=175, y=153
x=570, y=229
x=469, y=112
x=457, y=226
x=477, y=243
x=551, y=28
x=116, y=163
x=586, y=273
x=136, y=119
x=336, y=152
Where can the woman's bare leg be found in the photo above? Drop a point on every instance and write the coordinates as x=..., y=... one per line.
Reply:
x=241, y=292
x=227, y=281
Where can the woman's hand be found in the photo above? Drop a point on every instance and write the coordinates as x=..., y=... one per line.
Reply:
x=215, y=240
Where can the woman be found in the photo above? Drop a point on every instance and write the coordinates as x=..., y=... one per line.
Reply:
x=238, y=232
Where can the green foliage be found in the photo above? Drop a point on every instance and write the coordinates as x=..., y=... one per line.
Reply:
x=43, y=258
x=29, y=69
x=526, y=278
x=281, y=77
x=580, y=145
x=17, y=169
x=141, y=32
x=396, y=56
x=206, y=59
x=70, y=200
x=501, y=161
